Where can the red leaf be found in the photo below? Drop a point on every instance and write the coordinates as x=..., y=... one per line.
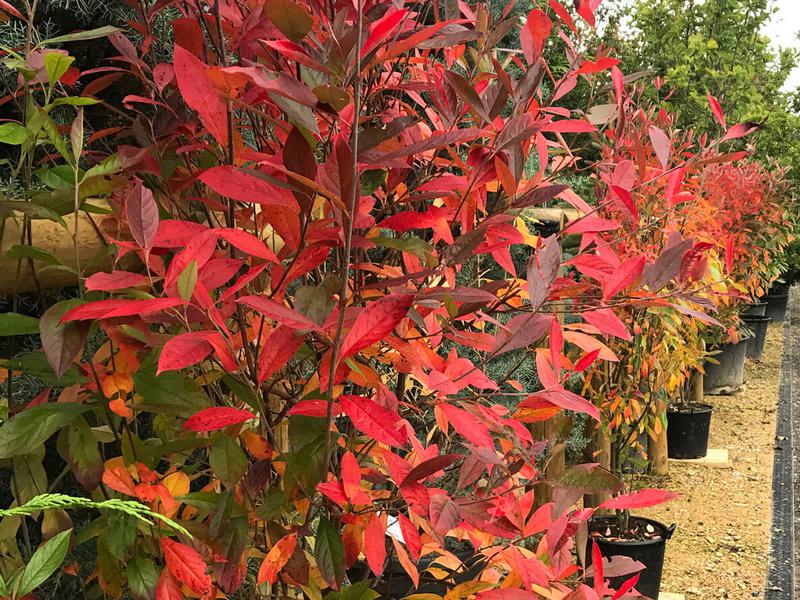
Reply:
x=556, y=345
x=468, y=425
x=184, y=350
x=106, y=309
x=168, y=587
x=10, y=9
x=376, y=421
x=186, y=565
x=380, y=30
x=662, y=145
x=586, y=10
x=566, y=399
x=116, y=280
x=217, y=417
x=176, y=234
x=644, y=498
x=410, y=536
x=248, y=243
x=607, y=322
x=142, y=212
x=626, y=198
x=569, y=126
x=375, y=544
x=279, y=312
x=444, y=513
x=741, y=130
x=276, y=559
x=563, y=14
x=428, y=467
x=626, y=587
x=597, y=563
x=375, y=322
x=674, y=184
x=279, y=347
x=538, y=26
x=717, y=110
x=624, y=276
x=542, y=270
x=586, y=361
x=200, y=94
x=237, y=184
x=729, y=253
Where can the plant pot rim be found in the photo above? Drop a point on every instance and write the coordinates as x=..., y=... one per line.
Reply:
x=666, y=532
x=755, y=318
x=757, y=303
x=698, y=408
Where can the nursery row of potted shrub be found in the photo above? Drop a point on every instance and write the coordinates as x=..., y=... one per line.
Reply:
x=644, y=540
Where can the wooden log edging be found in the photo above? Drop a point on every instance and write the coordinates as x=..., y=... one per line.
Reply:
x=18, y=276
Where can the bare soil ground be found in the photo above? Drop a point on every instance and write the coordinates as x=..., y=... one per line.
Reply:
x=720, y=548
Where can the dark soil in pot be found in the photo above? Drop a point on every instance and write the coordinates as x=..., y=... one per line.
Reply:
x=727, y=374
x=756, y=309
x=687, y=430
x=645, y=542
x=758, y=329
x=776, y=306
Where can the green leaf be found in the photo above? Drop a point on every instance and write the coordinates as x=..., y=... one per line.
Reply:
x=4, y=591
x=142, y=577
x=58, y=177
x=329, y=552
x=591, y=478
x=44, y=562
x=55, y=137
x=168, y=393
x=35, y=364
x=32, y=252
x=371, y=180
x=78, y=446
x=56, y=64
x=27, y=430
x=31, y=209
x=187, y=280
x=12, y=323
x=80, y=36
x=120, y=533
x=290, y=18
x=76, y=101
x=413, y=245
x=358, y=591
x=227, y=460
x=13, y=134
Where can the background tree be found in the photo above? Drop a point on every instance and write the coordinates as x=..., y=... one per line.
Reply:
x=716, y=47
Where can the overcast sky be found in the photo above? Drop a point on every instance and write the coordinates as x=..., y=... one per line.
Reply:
x=783, y=31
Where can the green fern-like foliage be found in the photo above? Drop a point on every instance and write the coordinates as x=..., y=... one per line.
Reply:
x=62, y=501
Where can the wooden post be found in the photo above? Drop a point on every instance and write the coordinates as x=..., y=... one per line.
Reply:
x=657, y=449
x=600, y=445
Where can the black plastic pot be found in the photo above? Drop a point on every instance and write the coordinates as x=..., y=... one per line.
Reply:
x=758, y=330
x=687, y=431
x=650, y=553
x=396, y=584
x=776, y=307
x=727, y=376
x=756, y=309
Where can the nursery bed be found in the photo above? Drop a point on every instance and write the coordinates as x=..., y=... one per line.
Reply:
x=721, y=546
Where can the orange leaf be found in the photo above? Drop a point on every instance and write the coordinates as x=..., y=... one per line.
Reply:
x=276, y=559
